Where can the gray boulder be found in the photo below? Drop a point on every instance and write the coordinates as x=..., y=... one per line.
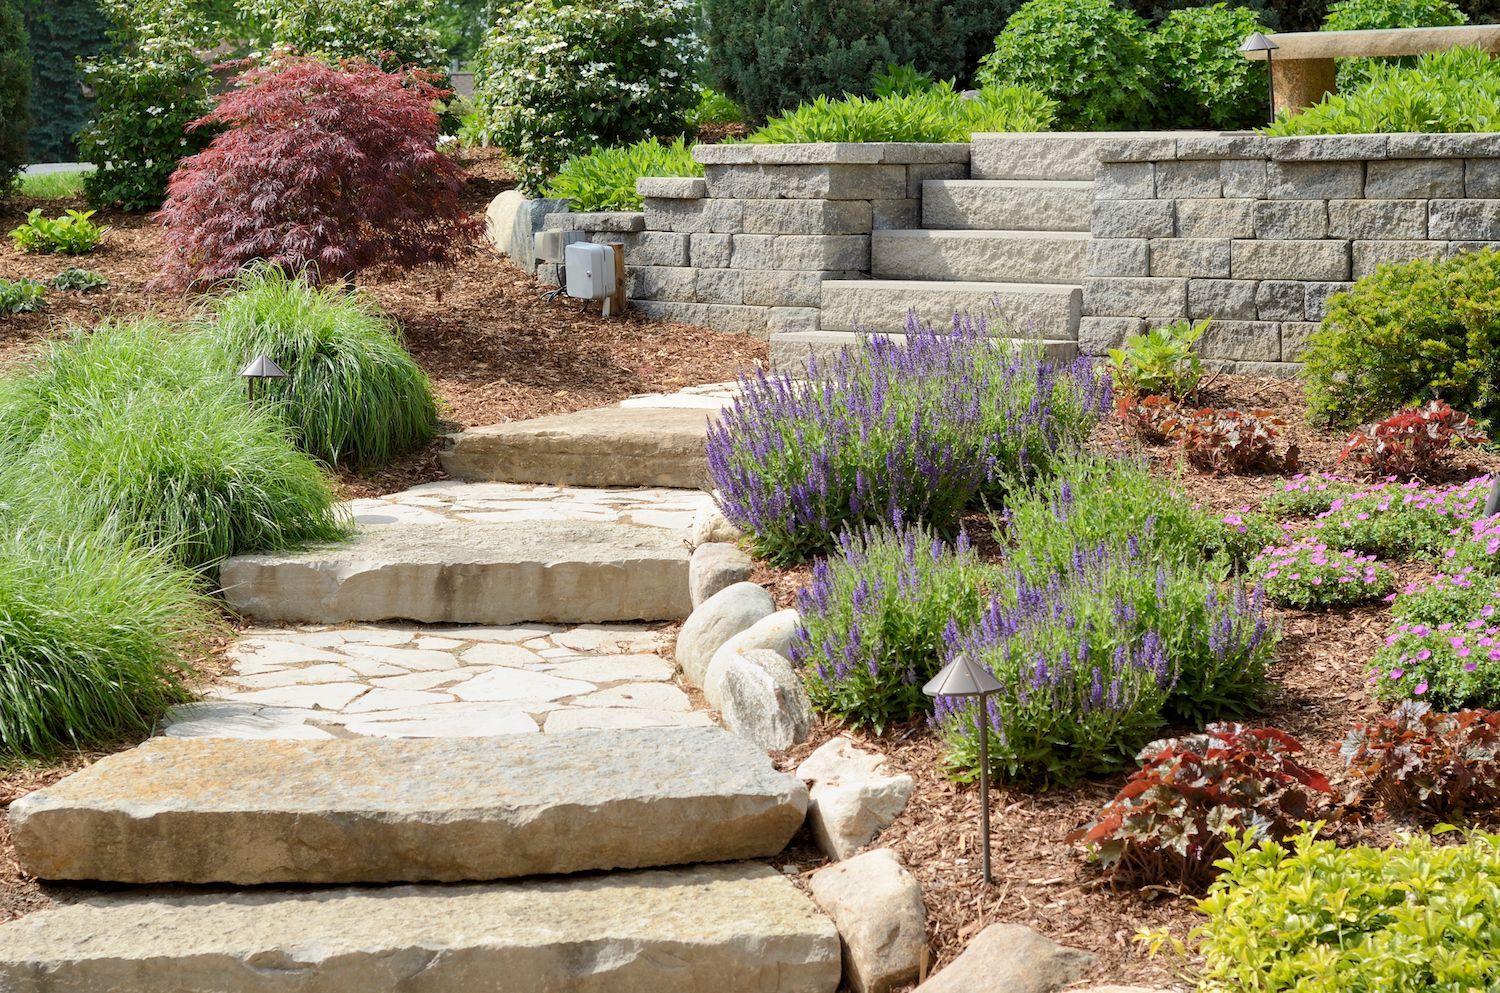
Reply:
x=715, y=621
x=851, y=798
x=877, y=906
x=1010, y=958
x=773, y=633
x=762, y=700
x=716, y=566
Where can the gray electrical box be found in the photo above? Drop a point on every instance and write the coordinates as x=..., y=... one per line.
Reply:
x=591, y=271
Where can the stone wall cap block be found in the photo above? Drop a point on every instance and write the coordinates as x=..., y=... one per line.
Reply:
x=818, y=153
x=1142, y=149
x=1328, y=148
x=617, y=221
x=672, y=187
x=923, y=152
x=733, y=154
x=1221, y=146
x=1444, y=146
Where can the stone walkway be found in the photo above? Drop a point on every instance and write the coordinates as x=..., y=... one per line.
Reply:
x=500, y=503
x=430, y=681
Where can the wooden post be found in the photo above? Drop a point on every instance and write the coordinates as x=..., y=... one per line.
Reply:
x=614, y=306
x=1297, y=84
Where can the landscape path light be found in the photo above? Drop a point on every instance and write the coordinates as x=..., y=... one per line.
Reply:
x=1260, y=43
x=260, y=369
x=962, y=678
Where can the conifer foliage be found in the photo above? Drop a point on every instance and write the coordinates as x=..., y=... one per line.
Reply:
x=327, y=169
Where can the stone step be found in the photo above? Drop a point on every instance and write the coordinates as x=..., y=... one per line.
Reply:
x=610, y=446
x=738, y=928
x=1007, y=204
x=983, y=256
x=790, y=351
x=1025, y=310
x=464, y=572
x=409, y=810
x=1045, y=154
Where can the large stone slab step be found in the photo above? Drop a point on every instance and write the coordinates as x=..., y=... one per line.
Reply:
x=1022, y=310
x=738, y=928
x=983, y=256
x=462, y=572
x=409, y=810
x=1007, y=204
x=610, y=446
x=790, y=351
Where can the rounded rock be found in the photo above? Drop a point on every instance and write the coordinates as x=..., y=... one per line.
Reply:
x=715, y=621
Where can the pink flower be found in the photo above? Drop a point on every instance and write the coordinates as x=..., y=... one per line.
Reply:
x=1419, y=689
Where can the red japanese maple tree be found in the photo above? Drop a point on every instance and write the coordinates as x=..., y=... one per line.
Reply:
x=332, y=169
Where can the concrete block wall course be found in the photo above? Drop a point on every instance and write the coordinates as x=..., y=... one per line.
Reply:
x=1316, y=296
x=1243, y=177
x=920, y=172
x=896, y=215
x=1215, y=218
x=710, y=251
x=1202, y=257
x=1192, y=178
x=1377, y=219
x=1299, y=259
x=806, y=182
x=1126, y=181
x=1315, y=180
x=1370, y=255
x=1426, y=179
x=1119, y=257
x=1294, y=335
x=1464, y=220
x=1285, y=219
x=1221, y=299
x=1280, y=300
x=1132, y=297
x=1133, y=219
x=1097, y=335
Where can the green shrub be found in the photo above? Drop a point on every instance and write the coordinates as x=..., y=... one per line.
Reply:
x=938, y=114
x=771, y=56
x=875, y=621
x=1090, y=56
x=21, y=296
x=1365, y=15
x=1208, y=82
x=94, y=635
x=72, y=234
x=352, y=393
x=1417, y=917
x=714, y=108
x=394, y=33
x=605, y=178
x=15, y=94
x=1406, y=334
x=557, y=78
x=133, y=433
x=1453, y=91
x=150, y=85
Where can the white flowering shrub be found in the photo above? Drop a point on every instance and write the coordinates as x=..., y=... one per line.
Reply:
x=394, y=33
x=149, y=85
x=557, y=78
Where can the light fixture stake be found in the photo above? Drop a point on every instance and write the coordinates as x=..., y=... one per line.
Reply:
x=259, y=369
x=1260, y=43
x=962, y=678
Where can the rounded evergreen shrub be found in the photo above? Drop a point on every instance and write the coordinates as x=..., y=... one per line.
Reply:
x=1366, y=15
x=135, y=434
x=1406, y=334
x=1208, y=82
x=352, y=393
x=1090, y=56
x=15, y=93
x=558, y=78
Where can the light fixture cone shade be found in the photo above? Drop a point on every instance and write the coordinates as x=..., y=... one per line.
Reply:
x=1259, y=43
x=962, y=678
x=261, y=367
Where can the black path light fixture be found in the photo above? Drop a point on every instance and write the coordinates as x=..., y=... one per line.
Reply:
x=962, y=678
x=260, y=369
x=1260, y=43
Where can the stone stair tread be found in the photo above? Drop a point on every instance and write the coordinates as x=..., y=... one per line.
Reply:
x=409, y=810
x=1012, y=256
x=1083, y=185
x=608, y=446
x=790, y=350
x=1007, y=204
x=467, y=572
x=736, y=928
x=1029, y=310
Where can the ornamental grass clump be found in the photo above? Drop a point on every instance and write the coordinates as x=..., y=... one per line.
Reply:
x=873, y=620
x=921, y=429
x=1312, y=576
x=352, y=393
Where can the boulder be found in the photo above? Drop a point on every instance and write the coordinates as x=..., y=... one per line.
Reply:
x=773, y=633
x=1010, y=958
x=500, y=219
x=716, y=566
x=715, y=621
x=762, y=699
x=710, y=525
x=877, y=907
x=851, y=800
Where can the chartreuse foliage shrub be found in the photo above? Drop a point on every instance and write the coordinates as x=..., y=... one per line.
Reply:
x=136, y=433
x=94, y=632
x=150, y=85
x=557, y=78
x=324, y=170
x=920, y=429
x=714, y=107
x=15, y=93
x=1453, y=91
x=935, y=114
x=1207, y=82
x=875, y=618
x=604, y=179
x=71, y=234
x=352, y=393
x=1090, y=56
x=1364, y=15
x=1406, y=334
x=395, y=33
x=1418, y=917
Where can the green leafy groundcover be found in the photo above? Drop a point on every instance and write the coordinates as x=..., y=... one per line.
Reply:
x=605, y=178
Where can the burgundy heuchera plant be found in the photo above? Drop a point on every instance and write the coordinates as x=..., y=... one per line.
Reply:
x=327, y=169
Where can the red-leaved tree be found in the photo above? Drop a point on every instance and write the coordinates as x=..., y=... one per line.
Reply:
x=328, y=168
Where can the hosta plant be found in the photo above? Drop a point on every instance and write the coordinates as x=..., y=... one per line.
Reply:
x=874, y=618
x=21, y=296
x=325, y=170
x=1419, y=761
x=72, y=234
x=1194, y=795
x=939, y=114
x=1161, y=362
x=1231, y=440
x=1412, y=442
x=1311, y=576
x=604, y=179
x=79, y=280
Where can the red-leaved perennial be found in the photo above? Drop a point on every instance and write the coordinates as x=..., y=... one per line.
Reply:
x=331, y=169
